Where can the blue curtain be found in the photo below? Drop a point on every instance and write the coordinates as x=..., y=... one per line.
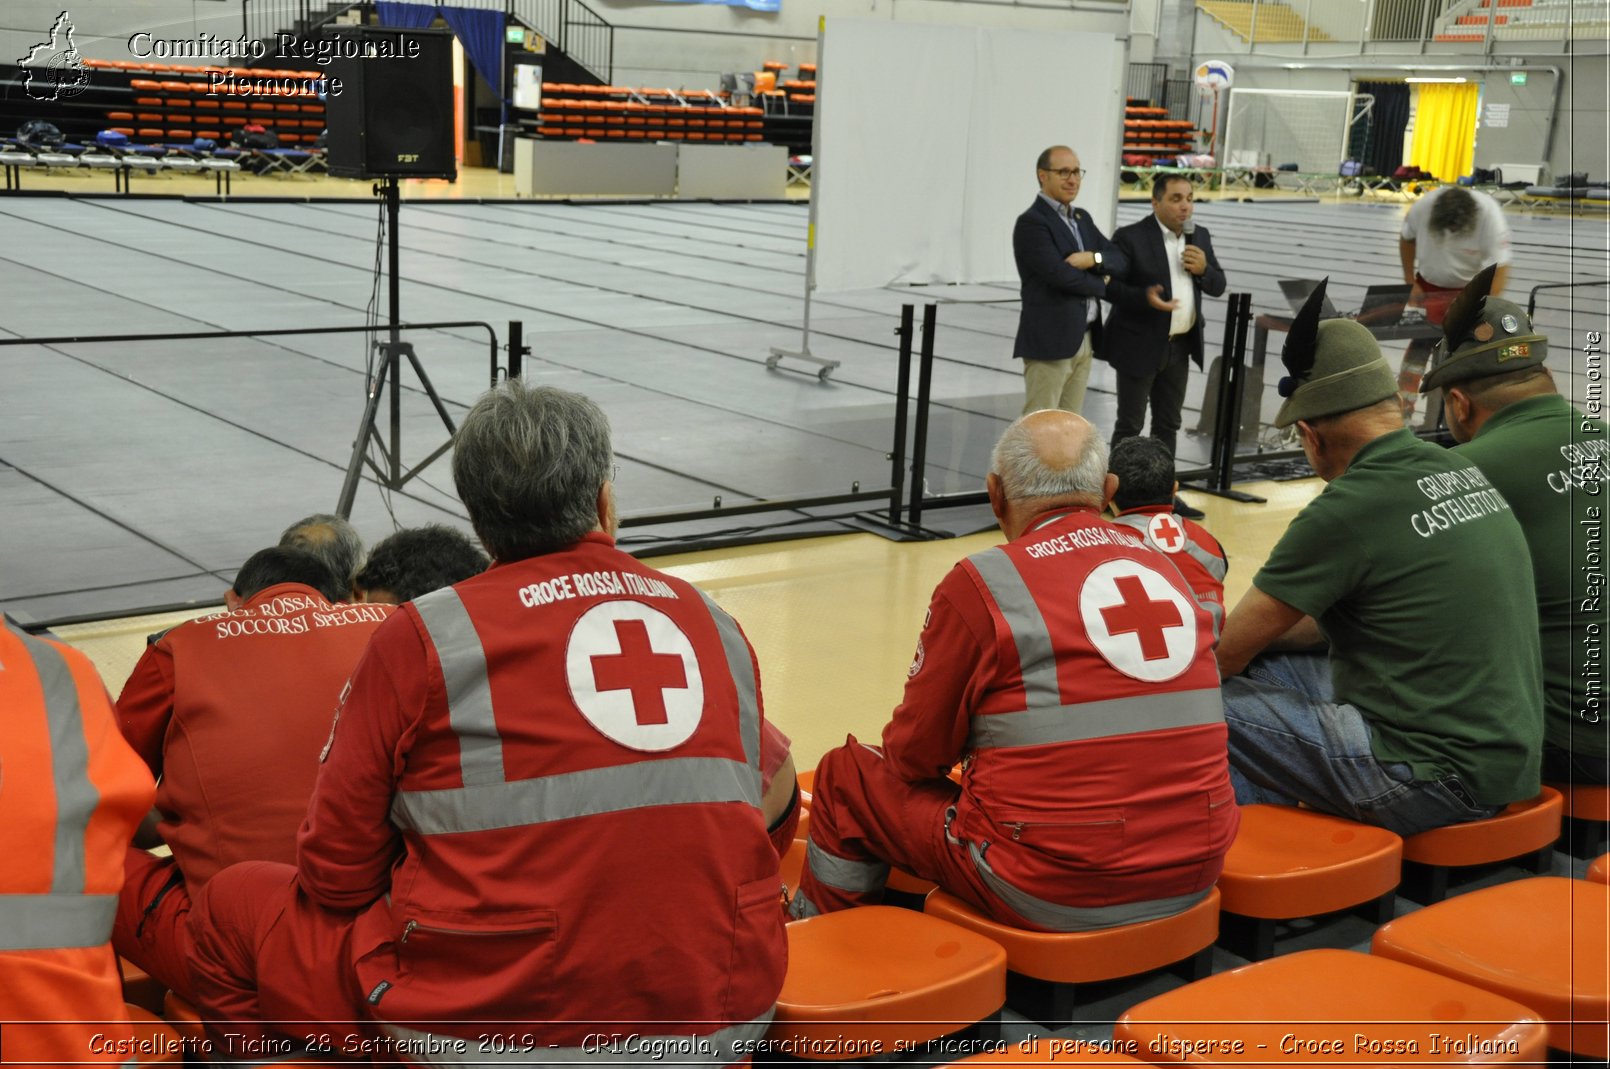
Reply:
x=406, y=16
x=481, y=34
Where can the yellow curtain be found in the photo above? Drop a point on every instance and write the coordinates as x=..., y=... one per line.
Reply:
x=1445, y=128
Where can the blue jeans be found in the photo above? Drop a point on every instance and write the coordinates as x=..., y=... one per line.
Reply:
x=1291, y=741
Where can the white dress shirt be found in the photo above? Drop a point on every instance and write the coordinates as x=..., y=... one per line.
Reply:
x=1181, y=282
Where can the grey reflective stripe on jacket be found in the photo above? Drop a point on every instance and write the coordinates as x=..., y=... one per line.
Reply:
x=1098, y=720
x=55, y=921
x=722, y=1047
x=488, y=800
x=1060, y=918
x=66, y=917
x=1036, y=656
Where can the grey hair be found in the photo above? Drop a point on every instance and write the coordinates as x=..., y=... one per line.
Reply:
x=1024, y=474
x=528, y=463
x=329, y=538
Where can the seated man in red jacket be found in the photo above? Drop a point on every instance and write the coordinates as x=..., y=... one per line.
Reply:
x=229, y=712
x=540, y=823
x=1144, y=501
x=1071, y=671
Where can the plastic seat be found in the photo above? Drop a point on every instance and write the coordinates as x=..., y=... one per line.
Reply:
x=155, y=1040
x=1332, y=1007
x=1062, y=959
x=862, y=980
x=1522, y=828
x=1288, y=863
x=1599, y=870
x=1587, y=815
x=1542, y=942
x=138, y=987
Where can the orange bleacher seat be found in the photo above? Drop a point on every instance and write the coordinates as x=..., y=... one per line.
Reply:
x=1334, y=1007
x=206, y=104
x=1587, y=815
x=214, y=135
x=773, y=65
x=876, y=977
x=126, y=131
x=145, y=83
x=120, y=116
x=258, y=105
x=234, y=105
x=148, y=102
x=1063, y=959
x=1288, y=863
x=148, y=116
x=1599, y=869
x=139, y=989
x=1523, y=829
x=1543, y=942
x=180, y=134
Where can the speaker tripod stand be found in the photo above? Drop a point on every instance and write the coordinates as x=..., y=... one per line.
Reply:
x=387, y=372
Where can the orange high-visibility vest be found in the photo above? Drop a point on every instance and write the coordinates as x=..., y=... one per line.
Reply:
x=71, y=794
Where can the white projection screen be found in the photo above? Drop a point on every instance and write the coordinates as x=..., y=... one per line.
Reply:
x=925, y=141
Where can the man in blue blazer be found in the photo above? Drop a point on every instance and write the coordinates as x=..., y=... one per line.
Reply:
x=1063, y=262
x=1156, y=322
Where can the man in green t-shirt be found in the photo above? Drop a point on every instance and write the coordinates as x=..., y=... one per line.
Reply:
x=1548, y=460
x=1408, y=723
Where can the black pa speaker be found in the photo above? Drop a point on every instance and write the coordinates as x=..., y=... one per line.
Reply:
x=393, y=115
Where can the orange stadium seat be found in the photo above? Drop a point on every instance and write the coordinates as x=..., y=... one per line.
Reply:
x=1526, y=828
x=1287, y=863
x=1060, y=960
x=1334, y=1007
x=861, y=981
x=1543, y=942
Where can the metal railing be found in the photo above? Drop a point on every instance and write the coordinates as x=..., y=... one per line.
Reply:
x=260, y=20
x=569, y=25
x=1282, y=25
x=574, y=29
x=1531, y=300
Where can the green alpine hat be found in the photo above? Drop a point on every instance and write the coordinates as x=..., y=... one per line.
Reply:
x=1483, y=335
x=1335, y=366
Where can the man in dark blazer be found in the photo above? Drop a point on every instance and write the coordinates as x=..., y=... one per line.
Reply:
x=1063, y=261
x=1156, y=322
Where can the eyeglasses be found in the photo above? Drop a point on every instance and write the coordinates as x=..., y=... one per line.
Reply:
x=1068, y=172
x=614, y=473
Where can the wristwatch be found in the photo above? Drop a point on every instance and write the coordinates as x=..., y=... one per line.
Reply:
x=1097, y=255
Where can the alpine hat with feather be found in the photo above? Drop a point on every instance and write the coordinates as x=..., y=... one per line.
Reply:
x=1483, y=335
x=1332, y=366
